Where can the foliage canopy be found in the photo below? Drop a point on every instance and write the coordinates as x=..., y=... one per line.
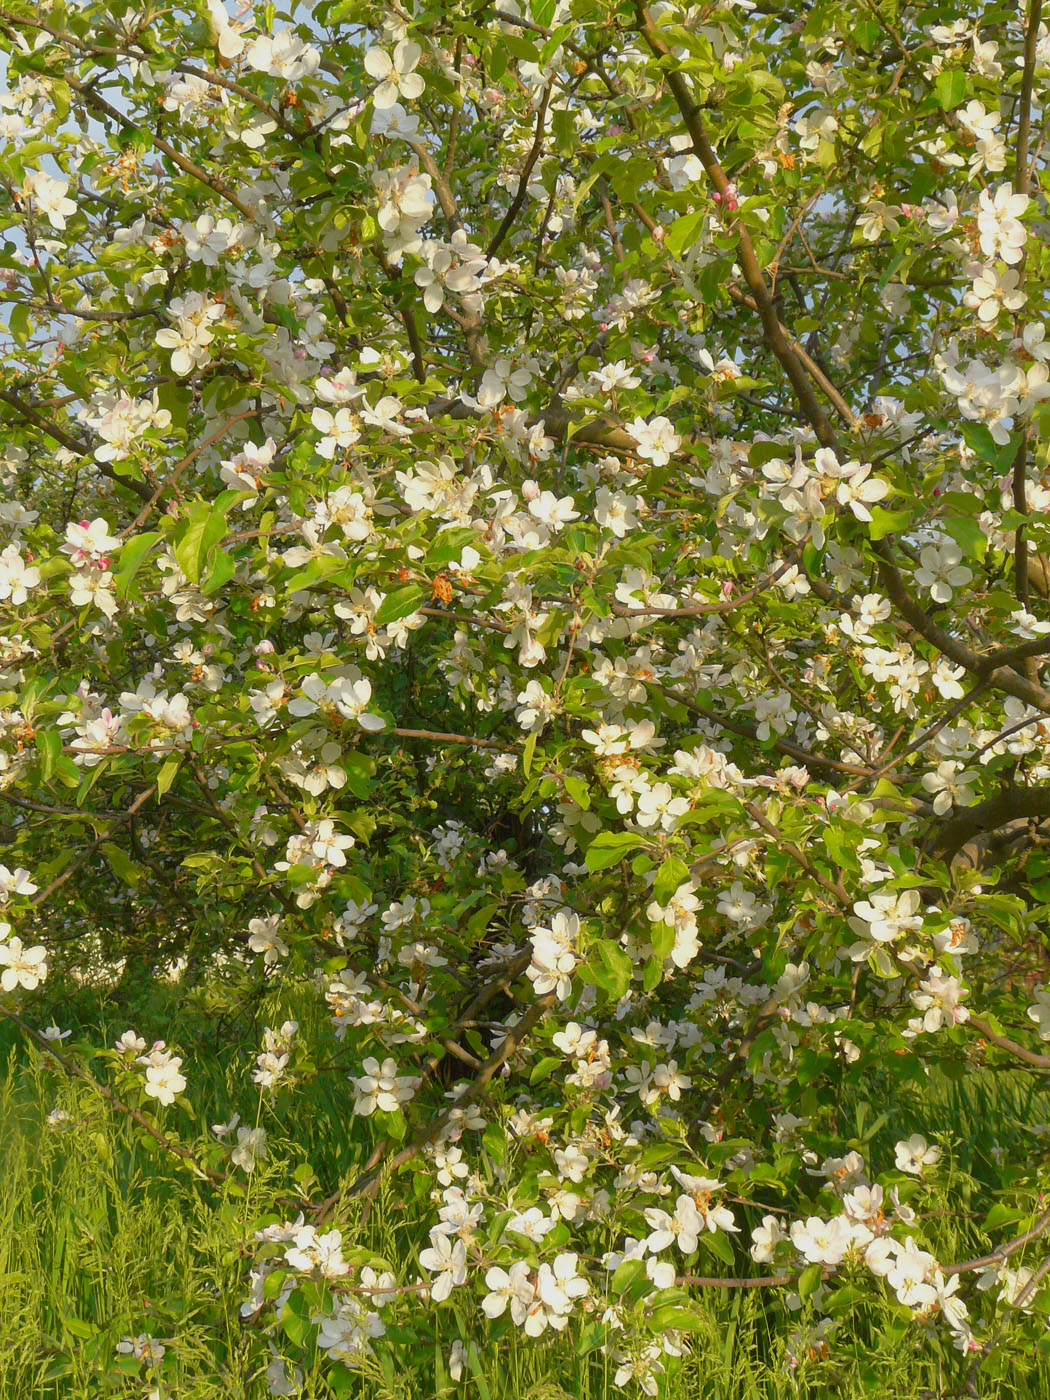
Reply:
x=526, y=527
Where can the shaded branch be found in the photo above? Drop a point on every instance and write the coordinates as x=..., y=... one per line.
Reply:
x=523, y=182
x=1012, y=804
x=72, y=444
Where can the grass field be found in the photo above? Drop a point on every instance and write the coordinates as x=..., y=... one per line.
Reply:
x=100, y=1239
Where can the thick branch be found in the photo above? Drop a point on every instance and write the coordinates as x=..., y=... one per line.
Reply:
x=79, y=446
x=773, y=331
x=1012, y=804
x=499, y=1057
x=523, y=182
x=1000, y=1255
x=999, y=677
x=99, y=103
x=1011, y=1047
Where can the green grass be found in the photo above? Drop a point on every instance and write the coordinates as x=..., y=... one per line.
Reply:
x=101, y=1238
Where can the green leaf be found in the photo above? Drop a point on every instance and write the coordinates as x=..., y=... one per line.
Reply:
x=661, y=936
x=671, y=1317
x=545, y=1068
x=629, y=1273
x=358, y=768
x=450, y=545
x=400, y=603
x=49, y=744
x=297, y=1329
x=528, y=752
x=609, y=848
x=841, y=846
x=77, y=1327
x=362, y=824
x=763, y=452
x=654, y=970
x=477, y=924
x=342, y=1380
x=578, y=791
x=1002, y=1215
x=720, y=1246
x=842, y=1299
x=205, y=527
x=672, y=874
x=393, y=1124
x=683, y=232
x=89, y=780
x=608, y=967
x=19, y=323
x=494, y=1139
x=969, y=535
x=810, y=1280
x=166, y=775
x=519, y=47
x=888, y=522
x=722, y=805
x=315, y=572
x=223, y=567
x=67, y=772
x=979, y=440
x=132, y=557
x=122, y=865
x=950, y=87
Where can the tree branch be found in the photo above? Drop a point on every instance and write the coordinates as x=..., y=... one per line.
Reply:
x=79, y=446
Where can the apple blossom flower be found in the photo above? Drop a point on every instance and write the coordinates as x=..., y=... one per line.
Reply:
x=915, y=1153
x=380, y=1087
x=22, y=967
x=250, y=1149
x=396, y=75
x=283, y=55
x=164, y=1080
x=656, y=439
x=266, y=939
x=513, y=1287
x=17, y=577
x=48, y=196
x=994, y=291
x=999, y=224
x=448, y=1261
